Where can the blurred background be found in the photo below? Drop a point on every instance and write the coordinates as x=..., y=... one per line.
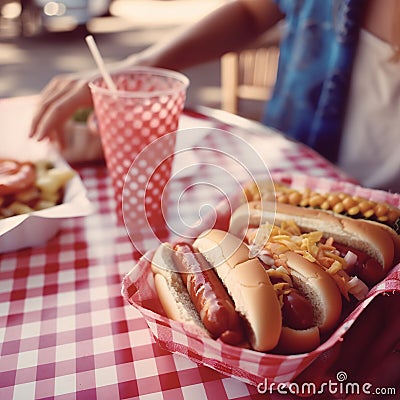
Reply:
x=40, y=39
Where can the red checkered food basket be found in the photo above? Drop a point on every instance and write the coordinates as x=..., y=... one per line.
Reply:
x=247, y=365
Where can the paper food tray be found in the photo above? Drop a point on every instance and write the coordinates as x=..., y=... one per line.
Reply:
x=247, y=365
x=36, y=228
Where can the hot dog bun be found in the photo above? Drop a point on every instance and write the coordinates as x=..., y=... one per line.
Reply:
x=252, y=292
x=244, y=279
x=248, y=285
x=374, y=212
x=171, y=290
x=353, y=206
x=319, y=288
x=315, y=284
x=293, y=341
x=371, y=238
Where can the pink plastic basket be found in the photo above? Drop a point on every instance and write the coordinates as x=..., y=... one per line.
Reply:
x=247, y=365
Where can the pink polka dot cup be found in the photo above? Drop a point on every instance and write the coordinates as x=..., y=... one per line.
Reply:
x=146, y=106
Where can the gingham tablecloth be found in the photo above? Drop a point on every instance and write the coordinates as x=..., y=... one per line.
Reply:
x=65, y=330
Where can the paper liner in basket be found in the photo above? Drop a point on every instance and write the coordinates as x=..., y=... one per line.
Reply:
x=247, y=365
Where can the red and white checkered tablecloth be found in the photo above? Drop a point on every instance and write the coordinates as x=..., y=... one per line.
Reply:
x=65, y=330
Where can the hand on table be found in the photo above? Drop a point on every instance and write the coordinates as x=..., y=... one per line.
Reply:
x=58, y=101
x=65, y=94
x=368, y=359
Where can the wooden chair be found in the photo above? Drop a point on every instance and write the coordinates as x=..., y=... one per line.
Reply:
x=250, y=74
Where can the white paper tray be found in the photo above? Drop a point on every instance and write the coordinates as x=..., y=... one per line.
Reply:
x=36, y=228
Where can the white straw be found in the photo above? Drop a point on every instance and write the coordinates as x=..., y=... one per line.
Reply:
x=100, y=63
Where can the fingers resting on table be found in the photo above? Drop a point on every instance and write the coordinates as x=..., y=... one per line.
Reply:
x=58, y=101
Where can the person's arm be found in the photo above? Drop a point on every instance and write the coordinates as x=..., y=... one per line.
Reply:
x=230, y=27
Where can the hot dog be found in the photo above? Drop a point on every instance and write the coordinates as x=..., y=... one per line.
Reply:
x=321, y=292
x=353, y=206
x=15, y=176
x=356, y=253
x=30, y=186
x=245, y=288
x=216, y=308
x=375, y=212
x=214, y=282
